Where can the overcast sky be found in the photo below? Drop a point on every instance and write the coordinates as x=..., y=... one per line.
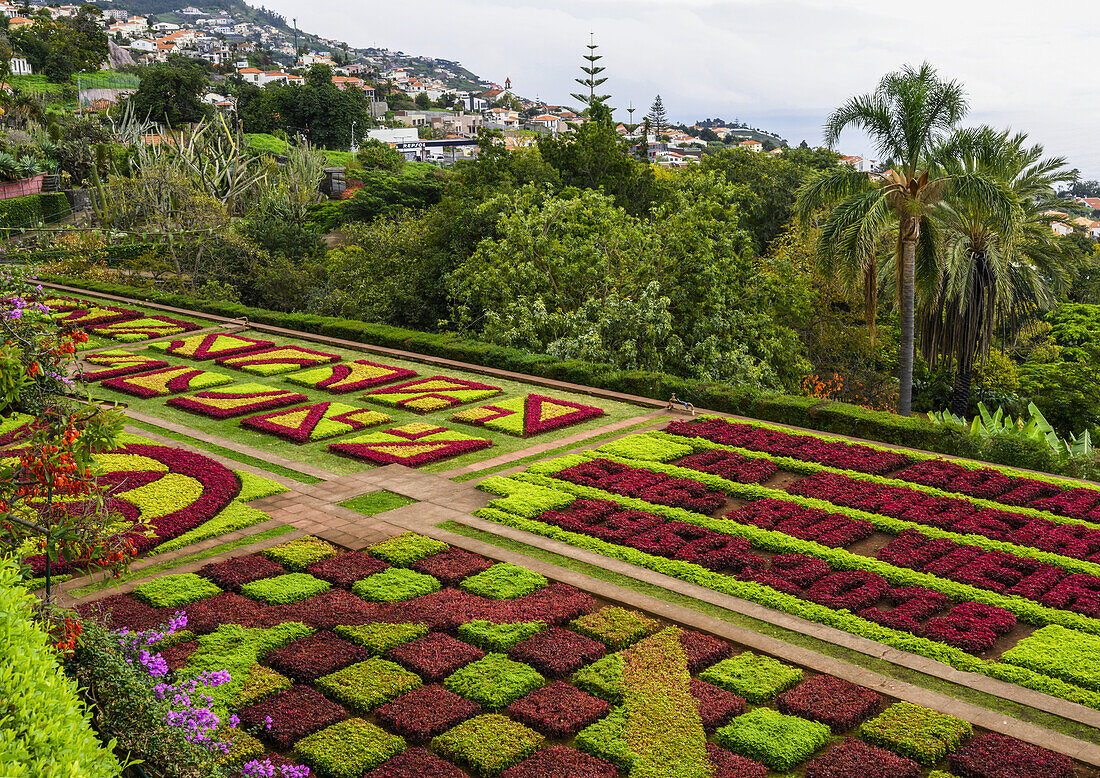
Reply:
x=781, y=65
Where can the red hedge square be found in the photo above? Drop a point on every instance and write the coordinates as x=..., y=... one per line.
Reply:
x=345, y=569
x=716, y=706
x=326, y=610
x=999, y=756
x=561, y=762
x=729, y=765
x=234, y=573
x=435, y=656
x=855, y=758
x=294, y=713
x=426, y=712
x=321, y=653
x=832, y=701
x=557, y=652
x=229, y=608
x=416, y=763
x=176, y=656
x=452, y=565
x=703, y=650
x=558, y=709
x=124, y=611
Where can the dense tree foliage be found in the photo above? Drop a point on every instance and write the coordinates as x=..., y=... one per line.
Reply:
x=58, y=48
x=170, y=93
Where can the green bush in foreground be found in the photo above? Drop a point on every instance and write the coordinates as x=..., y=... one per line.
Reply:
x=284, y=589
x=174, y=591
x=603, y=678
x=605, y=740
x=754, y=677
x=498, y=637
x=348, y=749
x=395, y=584
x=488, y=744
x=915, y=732
x=406, y=549
x=504, y=581
x=780, y=742
x=44, y=728
x=494, y=681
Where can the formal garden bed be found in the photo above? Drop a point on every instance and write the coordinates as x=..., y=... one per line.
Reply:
x=986, y=569
x=413, y=658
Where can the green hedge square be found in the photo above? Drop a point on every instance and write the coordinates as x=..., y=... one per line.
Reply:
x=488, y=744
x=380, y=637
x=299, y=554
x=262, y=682
x=283, y=589
x=604, y=678
x=915, y=732
x=498, y=637
x=494, y=681
x=173, y=591
x=366, y=685
x=242, y=748
x=754, y=677
x=504, y=581
x=780, y=742
x=406, y=549
x=395, y=584
x=615, y=627
x=348, y=749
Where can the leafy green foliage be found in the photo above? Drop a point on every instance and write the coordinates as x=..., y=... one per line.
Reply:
x=44, y=722
x=173, y=591
x=603, y=677
x=299, y=554
x=1061, y=653
x=60, y=47
x=504, y=581
x=394, y=585
x=380, y=636
x=917, y=733
x=498, y=637
x=349, y=748
x=494, y=681
x=488, y=744
x=261, y=683
x=285, y=589
x=366, y=685
x=170, y=93
x=755, y=677
x=615, y=627
x=406, y=548
x=780, y=742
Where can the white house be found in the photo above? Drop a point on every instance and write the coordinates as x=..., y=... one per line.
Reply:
x=859, y=163
x=145, y=45
x=165, y=27
x=190, y=11
x=20, y=67
x=546, y=121
x=754, y=146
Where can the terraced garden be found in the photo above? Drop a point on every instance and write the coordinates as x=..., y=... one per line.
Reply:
x=382, y=565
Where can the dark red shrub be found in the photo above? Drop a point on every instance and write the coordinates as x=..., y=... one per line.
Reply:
x=848, y=589
x=442, y=610
x=561, y=762
x=557, y=603
x=703, y=650
x=234, y=573
x=176, y=656
x=124, y=611
x=426, y=712
x=558, y=709
x=345, y=569
x=855, y=758
x=832, y=701
x=328, y=609
x=319, y=654
x=970, y=626
x=452, y=565
x=913, y=604
x=416, y=763
x=294, y=713
x=229, y=608
x=999, y=756
x=716, y=706
x=435, y=656
x=729, y=765
x=557, y=652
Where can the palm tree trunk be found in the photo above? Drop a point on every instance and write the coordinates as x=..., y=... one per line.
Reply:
x=910, y=231
x=960, y=394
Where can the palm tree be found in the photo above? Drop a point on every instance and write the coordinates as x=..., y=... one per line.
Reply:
x=991, y=273
x=906, y=116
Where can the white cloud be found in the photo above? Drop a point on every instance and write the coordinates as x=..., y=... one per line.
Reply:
x=778, y=64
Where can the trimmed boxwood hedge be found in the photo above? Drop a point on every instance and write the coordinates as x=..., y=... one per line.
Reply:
x=801, y=411
x=19, y=212
x=44, y=724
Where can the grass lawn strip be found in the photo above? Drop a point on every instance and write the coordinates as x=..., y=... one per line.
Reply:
x=373, y=503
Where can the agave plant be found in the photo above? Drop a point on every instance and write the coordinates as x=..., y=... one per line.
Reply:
x=31, y=167
x=10, y=169
x=1035, y=428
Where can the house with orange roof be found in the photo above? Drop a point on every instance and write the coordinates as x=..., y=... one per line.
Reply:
x=19, y=22
x=754, y=146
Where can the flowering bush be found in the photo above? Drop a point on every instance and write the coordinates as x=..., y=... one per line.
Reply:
x=350, y=376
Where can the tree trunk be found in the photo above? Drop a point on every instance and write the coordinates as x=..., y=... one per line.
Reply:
x=910, y=232
x=960, y=395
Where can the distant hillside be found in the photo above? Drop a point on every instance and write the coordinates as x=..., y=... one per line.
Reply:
x=167, y=8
